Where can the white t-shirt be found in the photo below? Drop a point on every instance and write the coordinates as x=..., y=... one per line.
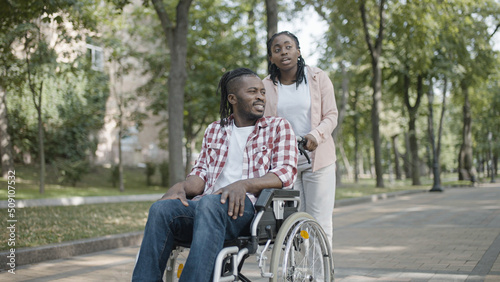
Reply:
x=294, y=104
x=233, y=169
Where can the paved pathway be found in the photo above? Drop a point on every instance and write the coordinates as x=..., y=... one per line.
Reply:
x=449, y=236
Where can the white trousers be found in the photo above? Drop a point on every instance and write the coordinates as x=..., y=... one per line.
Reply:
x=317, y=195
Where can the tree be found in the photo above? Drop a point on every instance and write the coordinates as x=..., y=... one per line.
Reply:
x=475, y=55
x=426, y=41
x=212, y=50
x=272, y=20
x=272, y=17
x=413, y=111
x=397, y=157
x=118, y=37
x=30, y=34
x=116, y=74
x=219, y=39
x=11, y=29
x=42, y=55
x=485, y=107
x=375, y=49
x=7, y=60
x=436, y=146
x=413, y=41
x=6, y=154
x=465, y=158
x=342, y=108
x=176, y=34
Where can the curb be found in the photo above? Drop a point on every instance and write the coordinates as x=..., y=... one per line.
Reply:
x=80, y=247
x=376, y=197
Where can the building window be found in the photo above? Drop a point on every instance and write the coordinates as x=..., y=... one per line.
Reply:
x=97, y=57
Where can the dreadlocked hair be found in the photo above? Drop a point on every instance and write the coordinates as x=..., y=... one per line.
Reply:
x=229, y=83
x=274, y=71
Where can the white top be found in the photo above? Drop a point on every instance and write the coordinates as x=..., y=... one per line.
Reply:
x=233, y=169
x=294, y=104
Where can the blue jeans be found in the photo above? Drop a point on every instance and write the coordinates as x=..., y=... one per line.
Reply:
x=205, y=223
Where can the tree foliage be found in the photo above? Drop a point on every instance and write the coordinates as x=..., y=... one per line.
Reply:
x=45, y=76
x=445, y=41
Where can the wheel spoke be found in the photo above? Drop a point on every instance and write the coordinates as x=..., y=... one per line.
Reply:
x=305, y=254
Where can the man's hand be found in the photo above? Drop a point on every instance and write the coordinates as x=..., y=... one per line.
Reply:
x=176, y=192
x=236, y=194
x=312, y=143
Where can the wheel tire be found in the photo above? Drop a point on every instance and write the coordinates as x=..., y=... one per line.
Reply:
x=283, y=262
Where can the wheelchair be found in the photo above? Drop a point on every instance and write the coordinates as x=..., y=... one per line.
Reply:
x=294, y=243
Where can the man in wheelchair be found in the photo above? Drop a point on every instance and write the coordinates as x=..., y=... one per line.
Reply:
x=241, y=155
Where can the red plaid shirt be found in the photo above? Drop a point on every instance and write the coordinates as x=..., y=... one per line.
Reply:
x=271, y=147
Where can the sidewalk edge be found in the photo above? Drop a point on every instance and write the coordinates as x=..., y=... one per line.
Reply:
x=376, y=197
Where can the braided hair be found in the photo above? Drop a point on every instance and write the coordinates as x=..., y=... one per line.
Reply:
x=274, y=71
x=229, y=83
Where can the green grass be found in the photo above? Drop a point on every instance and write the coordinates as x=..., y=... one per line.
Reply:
x=95, y=183
x=38, y=226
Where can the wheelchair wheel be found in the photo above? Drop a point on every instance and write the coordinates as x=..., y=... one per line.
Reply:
x=175, y=264
x=301, y=251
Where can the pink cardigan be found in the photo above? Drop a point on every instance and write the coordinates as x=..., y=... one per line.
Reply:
x=324, y=113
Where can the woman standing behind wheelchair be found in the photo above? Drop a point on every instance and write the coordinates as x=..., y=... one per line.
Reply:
x=304, y=95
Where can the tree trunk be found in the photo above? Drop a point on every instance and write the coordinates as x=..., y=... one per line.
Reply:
x=370, y=165
x=6, y=153
x=345, y=161
x=189, y=145
x=397, y=155
x=120, y=157
x=342, y=112
x=406, y=157
x=466, y=170
x=356, y=138
x=413, y=114
x=41, y=153
x=191, y=134
x=116, y=78
x=272, y=21
x=436, y=186
x=389, y=163
x=119, y=99
x=176, y=37
x=190, y=148
x=377, y=95
x=272, y=17
x=36, y=95
x=375, y=53
x=494, y=167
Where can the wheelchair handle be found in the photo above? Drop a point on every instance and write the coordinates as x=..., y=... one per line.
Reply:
x=301, y=142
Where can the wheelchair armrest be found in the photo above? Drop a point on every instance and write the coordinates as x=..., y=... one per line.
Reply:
x=267, y=195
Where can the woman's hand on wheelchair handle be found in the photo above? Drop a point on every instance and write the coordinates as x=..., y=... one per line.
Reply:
x=312, y=143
